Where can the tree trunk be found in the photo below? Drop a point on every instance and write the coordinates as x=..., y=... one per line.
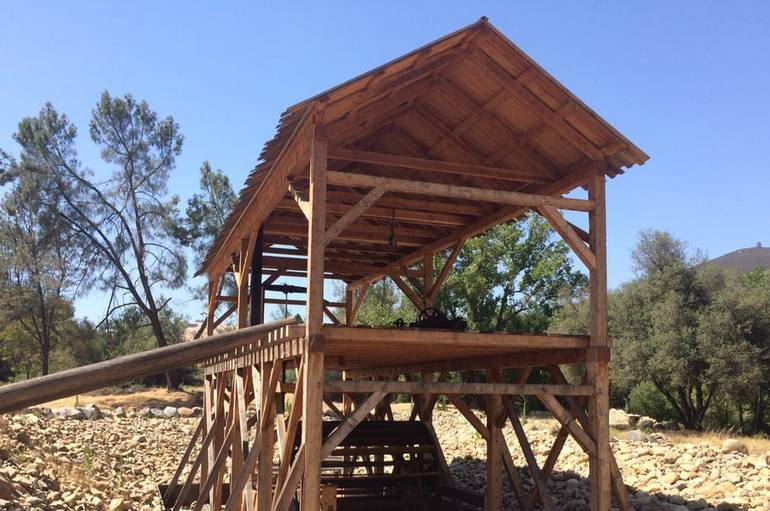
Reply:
x=172, y=377
x=45, y=354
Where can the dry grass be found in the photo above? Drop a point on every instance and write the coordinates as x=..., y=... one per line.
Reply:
x=755, y=445
x=150, y=397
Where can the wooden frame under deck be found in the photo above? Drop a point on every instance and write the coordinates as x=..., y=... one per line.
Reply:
x=371, y=180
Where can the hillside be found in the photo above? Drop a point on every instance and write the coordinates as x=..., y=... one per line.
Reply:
x=744, y=259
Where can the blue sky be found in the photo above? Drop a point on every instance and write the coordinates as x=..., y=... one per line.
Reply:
x=686, y=81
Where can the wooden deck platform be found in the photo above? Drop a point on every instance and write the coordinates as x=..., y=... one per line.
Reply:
x=396, y=350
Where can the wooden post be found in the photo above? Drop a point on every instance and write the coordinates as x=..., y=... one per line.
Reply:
x=241, y=279
x=493, y=499
x=266, y=436
x=427, y=279
x=314, y=364
x=208, y=425
x=348, y=306
x=256, y=307
x=597, y=367
x=211, y=306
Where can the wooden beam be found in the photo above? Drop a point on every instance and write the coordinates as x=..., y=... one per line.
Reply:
x=199, y=460
x=564, y=418
x=299, y=200
x=351, y=421
x=522, y=359
x=458, y=192
x=519, y=90
x=573, y=177
x=242, y=283
x=405, y=387
x=493, y=498
x=345, y=335
x=561, y=226
x=314, y=357
x=272, y=188
x=241, y=434
x=409, y=162
x=408, y=291
x=418, y=214
x=598, y=372
x=216, y=470
x=353, y=214
x=359, y=301
x=285, y=494
x=446, y=268
x=329, y=314
x=291, y=431
x=427, y=278
x=256, y=312
x=526, y=448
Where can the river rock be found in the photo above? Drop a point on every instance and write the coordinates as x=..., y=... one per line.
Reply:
x=91, y=411
x=645, y=423
x=637, y=436
x=732, y=445
x=170, y=412
x=67, y=413
x=185, y=412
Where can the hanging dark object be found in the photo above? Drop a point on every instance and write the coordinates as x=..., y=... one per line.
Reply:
x=392, y=237
x=434, y=319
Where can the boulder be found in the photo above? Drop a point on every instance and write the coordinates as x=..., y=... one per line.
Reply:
x=145, y=412
x=733, y=445
x=118, y=412
x=665, y=426
x=117, y=505
x=186, y=412
x=619, y=419
x=67, y=413
x=645, y=423
x=170, y=412
x=91, y=411
x=637, y=436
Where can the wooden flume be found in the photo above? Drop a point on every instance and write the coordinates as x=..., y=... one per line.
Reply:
x=369, y=180
x=131, y=367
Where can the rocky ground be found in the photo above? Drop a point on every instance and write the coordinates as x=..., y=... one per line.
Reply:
x=87, y=459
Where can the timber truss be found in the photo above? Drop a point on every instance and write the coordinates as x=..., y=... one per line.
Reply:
x=252, y=453
x=374, y=179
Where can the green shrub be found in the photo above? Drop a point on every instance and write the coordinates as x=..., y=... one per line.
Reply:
x=645, y=399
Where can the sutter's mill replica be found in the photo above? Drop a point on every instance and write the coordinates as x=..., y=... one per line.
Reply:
x=369, y=180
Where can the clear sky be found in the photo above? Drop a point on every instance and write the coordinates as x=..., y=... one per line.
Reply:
x=686, y=81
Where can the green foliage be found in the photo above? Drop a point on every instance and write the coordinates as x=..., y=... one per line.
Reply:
x=645, y=399
x=206, y=211
x=125, y=220
x=384, y=304
x=698, y=334
x=510, y=278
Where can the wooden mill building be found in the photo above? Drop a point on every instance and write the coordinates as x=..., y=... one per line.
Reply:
x=370, y=180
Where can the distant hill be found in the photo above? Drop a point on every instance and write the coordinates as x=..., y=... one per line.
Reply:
x=744, y=259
